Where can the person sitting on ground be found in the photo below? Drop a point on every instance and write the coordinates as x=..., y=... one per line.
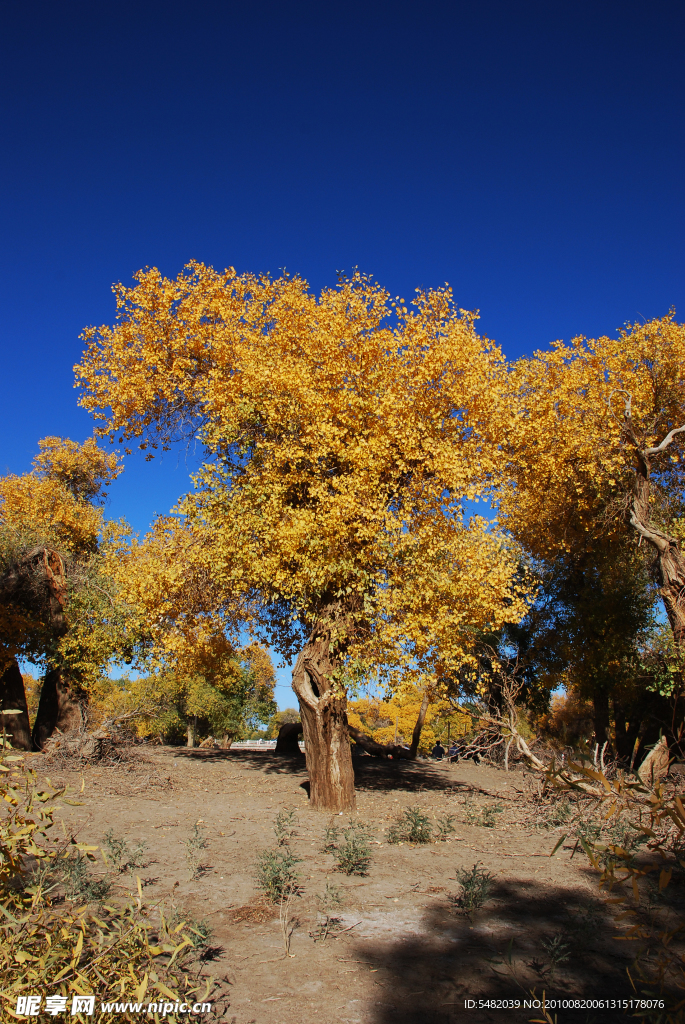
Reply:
x=438, y=751
x=453, y=752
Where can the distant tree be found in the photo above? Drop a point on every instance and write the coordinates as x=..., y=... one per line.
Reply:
x=58, y=606
x=229, y=704
x=393, y=720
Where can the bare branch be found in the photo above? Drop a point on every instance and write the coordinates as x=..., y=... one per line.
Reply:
x=665, y=443
x=628, y=404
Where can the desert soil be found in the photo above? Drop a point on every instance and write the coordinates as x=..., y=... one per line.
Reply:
x=401, y=952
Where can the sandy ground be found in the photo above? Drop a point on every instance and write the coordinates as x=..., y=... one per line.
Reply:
x=402, y=953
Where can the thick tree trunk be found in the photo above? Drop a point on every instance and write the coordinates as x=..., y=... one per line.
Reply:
x=16, y=727
x=226, y=741
x=38, y=581
x=288, y=739
x=59, y=709
x=323, y=712
x=190, y=731
x=670, y=562
x=416, y=735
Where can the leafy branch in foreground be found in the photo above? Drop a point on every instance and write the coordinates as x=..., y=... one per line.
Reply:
x=114, y=950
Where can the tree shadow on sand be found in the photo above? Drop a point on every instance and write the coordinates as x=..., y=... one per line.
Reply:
x=425, y=975
x=371, y=774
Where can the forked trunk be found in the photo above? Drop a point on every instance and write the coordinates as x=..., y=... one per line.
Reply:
x=323, y=709
x=59, y=709
x=14, y=727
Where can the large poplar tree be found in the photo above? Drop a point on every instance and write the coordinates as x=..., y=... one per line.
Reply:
x=597, y=452
x=343, y=433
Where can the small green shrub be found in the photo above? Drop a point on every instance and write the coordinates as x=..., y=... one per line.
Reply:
x=120, y=855
x=284, y=826
x=485, y=816
x=328, y=902
x=489, y=815
x=353, y=854
x=413, y=826
x=78, y=883
x=276, y=874
x=331, y=837
x=445, y=826
x=475, y=888
x=557, y=951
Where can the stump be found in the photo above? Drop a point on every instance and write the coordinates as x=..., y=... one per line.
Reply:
x=288, y=736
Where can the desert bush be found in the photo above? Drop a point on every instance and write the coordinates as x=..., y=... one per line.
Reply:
x=485, y=816
x=195, y=844
x=284, y=826
x=77, y=880
x=331, y=837
x=118, y=853
x=329, y=902
x=276, y=874
x=445, y=826
x=557, y=951
x=412, y=826
x=116, y=950
x=475, y=887
x=353, y=853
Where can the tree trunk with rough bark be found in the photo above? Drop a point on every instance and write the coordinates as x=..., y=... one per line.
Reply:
x=323, y=709
x=670, y=562
x=16, y=727
x=190, y=731
x=59, y=709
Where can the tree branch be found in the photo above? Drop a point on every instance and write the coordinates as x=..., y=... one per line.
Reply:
x=665, y=443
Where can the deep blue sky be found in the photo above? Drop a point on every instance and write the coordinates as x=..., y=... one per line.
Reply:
x=529, y=153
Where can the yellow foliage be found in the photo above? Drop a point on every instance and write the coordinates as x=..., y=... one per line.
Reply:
x=55, y=506
x=397, y=715
x=167, y=579
x=585, y=411
x=119, y=950
x=343, y=432
x=54, y=501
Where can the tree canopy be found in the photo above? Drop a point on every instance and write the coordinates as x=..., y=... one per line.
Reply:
x=597, y=450
x=344, y=432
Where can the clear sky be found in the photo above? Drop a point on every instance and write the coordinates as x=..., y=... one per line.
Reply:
x=530, y=153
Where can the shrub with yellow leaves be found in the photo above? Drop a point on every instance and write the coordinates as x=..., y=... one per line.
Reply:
x=115, y=950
